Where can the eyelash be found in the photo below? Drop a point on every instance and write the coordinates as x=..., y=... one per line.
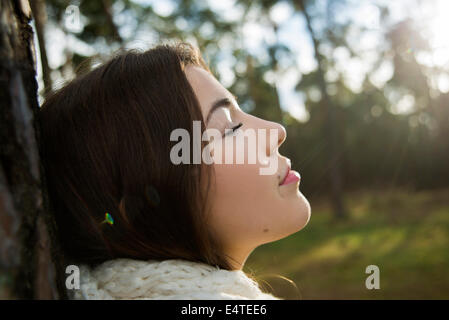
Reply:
x=233, y=129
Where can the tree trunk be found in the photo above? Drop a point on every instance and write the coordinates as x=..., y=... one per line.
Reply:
x=275, y=68
x=40, y=18
x=26, y=267
x=331, y=127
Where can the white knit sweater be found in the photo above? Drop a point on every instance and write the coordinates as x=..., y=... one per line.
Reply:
x=168, y=279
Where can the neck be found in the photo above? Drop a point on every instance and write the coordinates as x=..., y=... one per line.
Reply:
x=238, y=256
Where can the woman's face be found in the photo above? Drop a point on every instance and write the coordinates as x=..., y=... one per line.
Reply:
x=247, y=208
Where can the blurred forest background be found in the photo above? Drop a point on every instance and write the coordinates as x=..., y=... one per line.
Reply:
x=362, y=88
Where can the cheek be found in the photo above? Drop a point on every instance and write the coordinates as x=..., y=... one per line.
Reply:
x=244, y=202
x=242, y=181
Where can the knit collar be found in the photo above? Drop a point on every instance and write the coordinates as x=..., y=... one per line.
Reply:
x=173, y=279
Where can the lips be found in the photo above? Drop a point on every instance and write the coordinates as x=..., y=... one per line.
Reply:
x=290, y=176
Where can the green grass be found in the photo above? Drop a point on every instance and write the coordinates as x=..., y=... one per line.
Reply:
x=406, y=234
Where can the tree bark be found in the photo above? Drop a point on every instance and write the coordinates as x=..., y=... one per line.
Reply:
x=26, y=266
x=40, y=18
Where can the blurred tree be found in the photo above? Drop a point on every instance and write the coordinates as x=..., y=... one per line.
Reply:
x=264, y=95
x=331, y=128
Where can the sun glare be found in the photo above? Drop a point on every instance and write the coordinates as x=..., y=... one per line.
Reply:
x=438, y=26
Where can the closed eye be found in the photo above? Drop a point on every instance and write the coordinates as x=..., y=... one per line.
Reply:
x=237, y=126
x=228, y=132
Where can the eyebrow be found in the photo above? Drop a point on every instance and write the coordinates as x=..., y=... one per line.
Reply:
x=223, y=102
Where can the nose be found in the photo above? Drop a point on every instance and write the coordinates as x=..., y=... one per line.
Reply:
x=281, y=135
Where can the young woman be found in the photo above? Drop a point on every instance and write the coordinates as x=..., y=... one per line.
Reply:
x=137, y=224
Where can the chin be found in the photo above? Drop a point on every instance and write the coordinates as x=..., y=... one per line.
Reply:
x=304, y=209
x=299, y=210
x=295, y=216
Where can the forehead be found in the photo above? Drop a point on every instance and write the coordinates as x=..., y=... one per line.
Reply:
x=206, y=86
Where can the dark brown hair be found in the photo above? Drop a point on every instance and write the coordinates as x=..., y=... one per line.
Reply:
x=106, y=149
